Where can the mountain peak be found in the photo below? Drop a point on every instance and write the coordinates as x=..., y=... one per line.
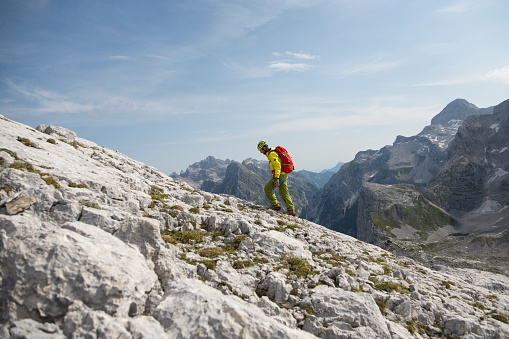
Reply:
x=457, y=111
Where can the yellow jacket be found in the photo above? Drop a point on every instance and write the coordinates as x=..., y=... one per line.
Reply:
x=274, y=163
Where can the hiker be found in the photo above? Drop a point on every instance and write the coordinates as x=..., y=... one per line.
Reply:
x=278, y=180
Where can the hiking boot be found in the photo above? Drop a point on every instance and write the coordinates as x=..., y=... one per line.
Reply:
x=291, y=212
x=275, y=207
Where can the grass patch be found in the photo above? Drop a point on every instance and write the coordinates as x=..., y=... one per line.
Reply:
x=391, y=286
x=183, y=237
x=6, y=188
x=261, y=260
x=447, y=284
x=75, y=185
x=27, y=142
x=195, y=210
x=309, y=310
x=90, y=204
x=156, y=193
x=382, y=305
x=239, y=264
x=500, y=317
x=300, y=267
x=49, y=180
x=23, y=166
x=211, y=252
x=11, y=153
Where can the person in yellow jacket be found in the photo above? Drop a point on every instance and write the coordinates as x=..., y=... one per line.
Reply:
x=278, y=180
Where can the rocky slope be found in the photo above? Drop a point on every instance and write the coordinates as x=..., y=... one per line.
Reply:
x=94, y=244
x=412, y=160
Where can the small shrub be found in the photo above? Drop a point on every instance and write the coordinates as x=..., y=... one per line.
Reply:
x=300, y=267
x=24, y=166
x=76, y=144
x=242, y=264
x=183, y=237
x=51, y=181
x=27, y=142
x=90, y=204
x=156, y=193
x=210, y=264
x=216, y=234
x=391, y=286
x=479, y=306
x=500, y=317
x=11, y=153
x=492, y=297
x=350, y=273
x=211, y=252
x=261, y=260
x=6, y=188
x=447, y=284
x=382, y=304
x=309, y=310
x=169, y=240
x=195, y=210
x=177, y=207
x=75, y=185
x=51, y=141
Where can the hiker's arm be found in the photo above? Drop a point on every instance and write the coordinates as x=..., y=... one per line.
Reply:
x=276, y=164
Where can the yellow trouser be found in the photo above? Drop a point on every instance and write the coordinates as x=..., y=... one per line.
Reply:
x=283, y=192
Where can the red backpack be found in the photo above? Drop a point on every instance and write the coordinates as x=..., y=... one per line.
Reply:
x=286, y=160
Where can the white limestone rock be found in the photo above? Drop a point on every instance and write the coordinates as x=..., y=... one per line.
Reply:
x=191, y=309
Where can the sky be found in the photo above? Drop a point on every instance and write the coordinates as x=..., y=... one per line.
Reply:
x=169, y=83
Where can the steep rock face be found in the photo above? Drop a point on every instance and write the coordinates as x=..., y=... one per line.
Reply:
x=414, y=160
x=397, y=212
x=96, y=245
x=474, y=183
x=472, y=187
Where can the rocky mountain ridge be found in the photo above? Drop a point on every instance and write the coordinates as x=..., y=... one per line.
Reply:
x=456, y=213
x=95, y=244
x=410, y=160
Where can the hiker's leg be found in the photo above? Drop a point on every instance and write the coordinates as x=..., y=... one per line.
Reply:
x=284, y=194
x=269, y=192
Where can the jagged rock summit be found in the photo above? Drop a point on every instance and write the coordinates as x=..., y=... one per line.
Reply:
x=94, y=244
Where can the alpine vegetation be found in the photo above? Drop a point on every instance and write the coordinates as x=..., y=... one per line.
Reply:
x=94, y=244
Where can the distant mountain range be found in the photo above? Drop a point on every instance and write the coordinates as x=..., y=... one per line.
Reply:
x=246, y=180
x=439, y=196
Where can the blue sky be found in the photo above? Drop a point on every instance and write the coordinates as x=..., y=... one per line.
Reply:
x=169, y=83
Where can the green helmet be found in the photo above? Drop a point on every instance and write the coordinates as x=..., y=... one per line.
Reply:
x=261, y=144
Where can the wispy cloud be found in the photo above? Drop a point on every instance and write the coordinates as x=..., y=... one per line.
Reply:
x=290, y=61
x=288, y=67
x=501, y=74
x=364, y=116
x=461, y=6
x=49, y=101
x=157, y=57
x=375, y=65
x=296, y=55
